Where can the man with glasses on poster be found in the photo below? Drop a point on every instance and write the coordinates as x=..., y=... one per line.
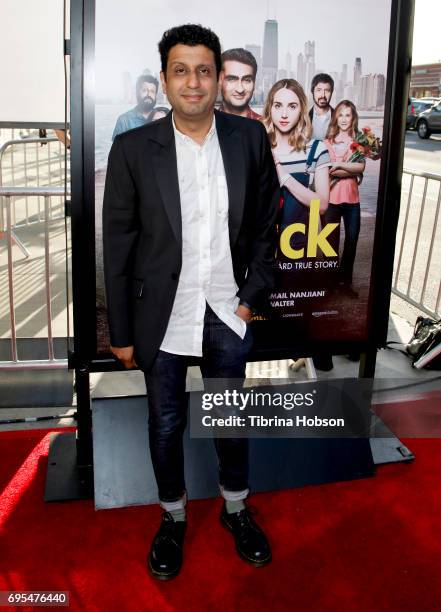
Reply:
x=189, y=244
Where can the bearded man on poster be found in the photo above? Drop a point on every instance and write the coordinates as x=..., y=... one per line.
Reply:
x=146, y=94
x=189, y=241
x=322, y=88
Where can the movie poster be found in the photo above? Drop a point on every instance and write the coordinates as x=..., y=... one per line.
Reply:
x=315, y=76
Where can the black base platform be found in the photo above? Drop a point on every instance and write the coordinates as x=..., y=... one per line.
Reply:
x=65, y=481
x=124, y=475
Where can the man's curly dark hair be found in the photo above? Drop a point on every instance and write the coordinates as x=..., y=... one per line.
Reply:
x=322, y=78
x=190, y=34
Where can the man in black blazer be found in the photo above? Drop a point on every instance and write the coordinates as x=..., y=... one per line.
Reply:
x=189, y=241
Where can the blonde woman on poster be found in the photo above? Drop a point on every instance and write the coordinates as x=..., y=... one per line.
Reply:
x=344, y=199
x=302, y=163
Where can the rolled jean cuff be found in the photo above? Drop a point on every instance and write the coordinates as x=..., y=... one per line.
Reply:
x=233, y=496
x=179, y=504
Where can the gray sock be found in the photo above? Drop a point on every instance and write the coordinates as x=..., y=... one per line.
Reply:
x=178, y=515
x=234, y=506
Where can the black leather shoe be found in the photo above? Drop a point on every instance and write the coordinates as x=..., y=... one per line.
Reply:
x=323, y=361
x=251, y=543
x=165, y=557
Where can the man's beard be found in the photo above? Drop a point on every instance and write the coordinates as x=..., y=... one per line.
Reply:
x=145, y=105
x=322, y=103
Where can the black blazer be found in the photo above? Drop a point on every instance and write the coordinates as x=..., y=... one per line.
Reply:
x=142, y=227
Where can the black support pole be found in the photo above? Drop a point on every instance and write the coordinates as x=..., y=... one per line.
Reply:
x=84, y=425
x=399, y=64
x=70, y=466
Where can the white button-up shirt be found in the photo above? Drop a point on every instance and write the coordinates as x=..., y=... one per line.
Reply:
x=207, y=268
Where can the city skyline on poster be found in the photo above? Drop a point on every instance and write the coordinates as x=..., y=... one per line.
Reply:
x=358, y=66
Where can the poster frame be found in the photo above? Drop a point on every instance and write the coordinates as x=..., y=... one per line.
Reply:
x=85, y=355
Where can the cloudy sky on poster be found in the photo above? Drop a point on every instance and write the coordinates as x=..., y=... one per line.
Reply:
x=127, y=32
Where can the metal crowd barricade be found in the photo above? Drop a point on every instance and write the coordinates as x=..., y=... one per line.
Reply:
x=417, y=274
x=20, y=173
x=8, y=193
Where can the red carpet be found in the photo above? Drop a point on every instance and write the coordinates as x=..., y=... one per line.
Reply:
x=371, y=544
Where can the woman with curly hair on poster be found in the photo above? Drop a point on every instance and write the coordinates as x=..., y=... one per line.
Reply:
x=344, y=198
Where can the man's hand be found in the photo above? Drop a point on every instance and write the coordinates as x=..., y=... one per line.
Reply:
x=244, y=313
x=125, y=355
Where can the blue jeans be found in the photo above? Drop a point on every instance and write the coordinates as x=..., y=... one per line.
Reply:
x=351, y=220
x=224, y=356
